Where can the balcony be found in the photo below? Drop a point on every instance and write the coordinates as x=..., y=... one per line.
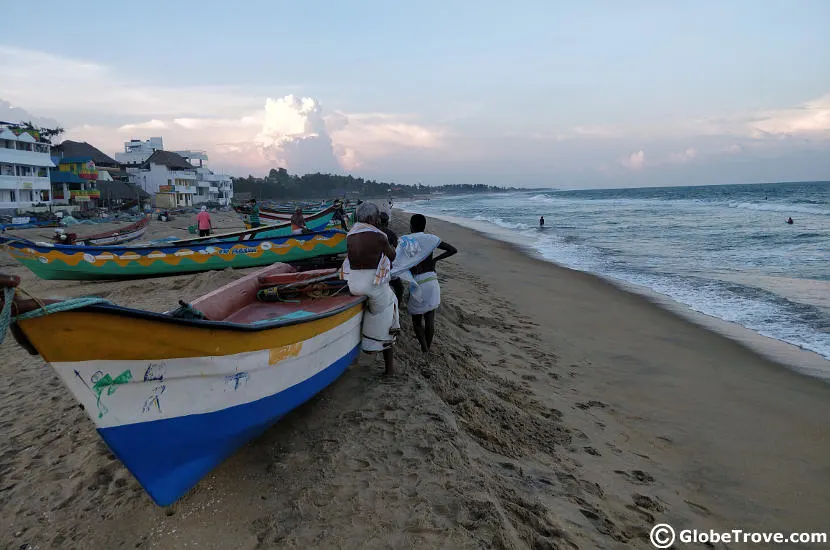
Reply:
x=186, y=189
x=25, y=182
x=30, y=158
x=85, y=194
x=203, y=183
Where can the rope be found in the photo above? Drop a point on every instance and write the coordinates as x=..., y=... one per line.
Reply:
x=64, y=305
x=6, y=312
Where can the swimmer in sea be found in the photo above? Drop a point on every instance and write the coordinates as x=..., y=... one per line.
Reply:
x=790, y=221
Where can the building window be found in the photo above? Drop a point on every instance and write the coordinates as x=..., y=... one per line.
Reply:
x=12, y=195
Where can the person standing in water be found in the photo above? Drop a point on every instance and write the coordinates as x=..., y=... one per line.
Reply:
x=541, y=221
x=790, y=221
x=423, y=303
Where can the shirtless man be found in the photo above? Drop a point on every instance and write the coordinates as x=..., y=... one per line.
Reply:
x=423, y=309
x=367, y=269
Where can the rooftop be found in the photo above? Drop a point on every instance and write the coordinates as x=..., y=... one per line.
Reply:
x=74, y=149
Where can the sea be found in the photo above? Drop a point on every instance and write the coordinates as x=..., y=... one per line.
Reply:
x=723, y=251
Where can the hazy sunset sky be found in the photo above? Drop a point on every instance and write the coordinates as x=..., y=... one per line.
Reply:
x=565, y=94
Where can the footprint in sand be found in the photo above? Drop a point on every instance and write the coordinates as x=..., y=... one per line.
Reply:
x=591, y=405
x=647, y=503
x=638, y=477
x=697, y=508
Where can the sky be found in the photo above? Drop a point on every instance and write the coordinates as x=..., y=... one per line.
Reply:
x=577, y=94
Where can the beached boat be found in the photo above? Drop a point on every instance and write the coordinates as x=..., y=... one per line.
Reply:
x=56, y=261
x=116, y=236
x=317, y=222
x=269, y=216
x=174, y=394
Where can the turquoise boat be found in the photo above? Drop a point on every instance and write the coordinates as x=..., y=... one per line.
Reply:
x=73, y=262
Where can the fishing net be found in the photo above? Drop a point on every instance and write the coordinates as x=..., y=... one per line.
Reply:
x=295, y=292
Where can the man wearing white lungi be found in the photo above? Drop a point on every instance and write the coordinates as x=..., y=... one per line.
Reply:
x=368, y=270
x=427, y=293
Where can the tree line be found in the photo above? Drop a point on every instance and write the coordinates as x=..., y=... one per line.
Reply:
x=279, y=184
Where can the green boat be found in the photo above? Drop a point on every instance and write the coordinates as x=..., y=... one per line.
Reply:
x=73, y=262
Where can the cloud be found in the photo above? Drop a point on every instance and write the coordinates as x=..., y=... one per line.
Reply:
x=10, y=113
x=245, y=130
x=635, y=161
x=811, y=118
x=686, y=156
x=154, y=124
x=733, y=149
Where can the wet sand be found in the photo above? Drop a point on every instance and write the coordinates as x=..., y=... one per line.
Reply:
x=557, y=411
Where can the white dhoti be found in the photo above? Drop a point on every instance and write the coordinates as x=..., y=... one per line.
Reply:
x=380, y=316
x=426, y=296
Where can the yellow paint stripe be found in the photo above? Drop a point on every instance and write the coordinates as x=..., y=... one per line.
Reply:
x=275, y=355
x=84, y=336
x=174, y=258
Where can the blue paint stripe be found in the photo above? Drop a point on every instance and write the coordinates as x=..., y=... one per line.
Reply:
x=170, y=456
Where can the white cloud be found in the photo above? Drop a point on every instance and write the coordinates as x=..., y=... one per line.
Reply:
x=733, y=149
x=10, y=113
x=686, y=156
x=635, y=161
x=154, y=124
x=813, y=117
x=288, y=131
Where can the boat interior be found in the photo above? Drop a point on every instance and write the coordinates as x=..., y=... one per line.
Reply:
x=278, y=293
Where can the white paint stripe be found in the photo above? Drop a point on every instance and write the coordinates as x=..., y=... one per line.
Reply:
x=200, y=384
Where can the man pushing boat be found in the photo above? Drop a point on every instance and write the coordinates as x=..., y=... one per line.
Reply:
x=367, y=269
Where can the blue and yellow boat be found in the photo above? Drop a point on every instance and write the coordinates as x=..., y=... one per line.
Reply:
x=174, y=394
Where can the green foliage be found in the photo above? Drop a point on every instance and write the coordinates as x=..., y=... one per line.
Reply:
x=46, y=134
x=279, y=184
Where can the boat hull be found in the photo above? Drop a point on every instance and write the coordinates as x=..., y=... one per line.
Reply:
x=125, y=235
x=174, y=410
x=262, y=232
x=121, y=262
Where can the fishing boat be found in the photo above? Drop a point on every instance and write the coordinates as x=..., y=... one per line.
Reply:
x=73, y=262
x=116, y=236
x=174, y=394
x=28, y=224
x=316, y=222
x=272, y=216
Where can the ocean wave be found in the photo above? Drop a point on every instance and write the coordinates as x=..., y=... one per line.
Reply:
x=501, y=223
x=783, y=208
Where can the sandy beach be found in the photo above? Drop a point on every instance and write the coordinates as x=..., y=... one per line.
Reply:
x=557, y=411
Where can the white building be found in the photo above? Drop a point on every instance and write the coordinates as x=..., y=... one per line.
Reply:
x=24, y=168
x=210, y=187
x=168, y=177
x=137, y=151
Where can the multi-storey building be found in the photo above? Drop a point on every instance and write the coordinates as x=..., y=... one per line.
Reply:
x=168, y=176
x=24, y=168
x=137, y=151
x=210, y=186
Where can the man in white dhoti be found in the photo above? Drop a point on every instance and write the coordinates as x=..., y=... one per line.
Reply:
x=427, y=296
x=368, y=270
